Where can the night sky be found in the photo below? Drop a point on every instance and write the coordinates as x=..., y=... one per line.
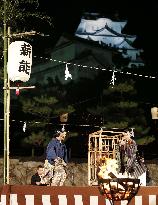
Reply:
x=141, y=15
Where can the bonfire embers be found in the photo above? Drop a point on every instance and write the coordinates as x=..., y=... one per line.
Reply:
x=119, y=188
x=113, y=185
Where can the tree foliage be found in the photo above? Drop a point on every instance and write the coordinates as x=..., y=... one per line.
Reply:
x=18, y=14
x=39, y=139
x=120, y=107
x=20, y=10
x=41, y=108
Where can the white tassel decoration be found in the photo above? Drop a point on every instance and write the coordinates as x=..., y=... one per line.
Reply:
x=67, y=73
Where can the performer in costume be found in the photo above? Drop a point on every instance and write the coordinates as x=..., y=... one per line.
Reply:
x=38, y=177
x=56, y=155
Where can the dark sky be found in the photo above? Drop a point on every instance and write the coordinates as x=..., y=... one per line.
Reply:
x=142, y=18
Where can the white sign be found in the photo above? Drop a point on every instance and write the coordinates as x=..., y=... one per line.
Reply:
x=19, y=61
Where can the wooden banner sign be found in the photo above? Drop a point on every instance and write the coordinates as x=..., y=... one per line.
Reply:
x=39, y=195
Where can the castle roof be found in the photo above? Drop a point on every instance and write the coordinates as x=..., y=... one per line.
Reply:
x=90, y=26
x=107, y=32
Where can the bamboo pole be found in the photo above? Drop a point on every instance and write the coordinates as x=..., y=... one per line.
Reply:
x=8, y=117
x=5, y=95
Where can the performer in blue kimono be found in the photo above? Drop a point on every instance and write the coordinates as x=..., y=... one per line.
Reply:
x=56, y=155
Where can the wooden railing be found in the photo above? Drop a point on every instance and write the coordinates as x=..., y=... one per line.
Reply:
x=40, y=195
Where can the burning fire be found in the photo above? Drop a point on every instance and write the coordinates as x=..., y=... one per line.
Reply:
x=108, y=170
x=108, y=166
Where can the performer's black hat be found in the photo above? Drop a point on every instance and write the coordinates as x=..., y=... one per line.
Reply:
x=58, y=131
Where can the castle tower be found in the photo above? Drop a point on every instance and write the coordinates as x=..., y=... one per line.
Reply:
x=108, y=32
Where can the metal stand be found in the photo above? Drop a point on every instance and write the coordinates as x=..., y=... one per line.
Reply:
x=118, y=189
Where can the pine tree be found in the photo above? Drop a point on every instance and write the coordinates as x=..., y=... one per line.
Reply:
x=120, y=108
x=40, y=109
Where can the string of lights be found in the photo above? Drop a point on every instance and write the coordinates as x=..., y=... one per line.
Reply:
x=97, y=68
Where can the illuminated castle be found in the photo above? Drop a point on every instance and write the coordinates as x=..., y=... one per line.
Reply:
x=108, y=32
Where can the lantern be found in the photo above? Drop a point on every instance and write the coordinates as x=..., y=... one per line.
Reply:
x=154, y=113
x=19, y=61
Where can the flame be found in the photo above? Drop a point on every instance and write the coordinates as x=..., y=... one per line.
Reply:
x=114, y=190
x=108, y=165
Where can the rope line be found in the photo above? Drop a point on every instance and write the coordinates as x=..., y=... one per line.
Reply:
x=97, y=68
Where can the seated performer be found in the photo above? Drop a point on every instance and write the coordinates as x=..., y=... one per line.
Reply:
x=38, y=177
